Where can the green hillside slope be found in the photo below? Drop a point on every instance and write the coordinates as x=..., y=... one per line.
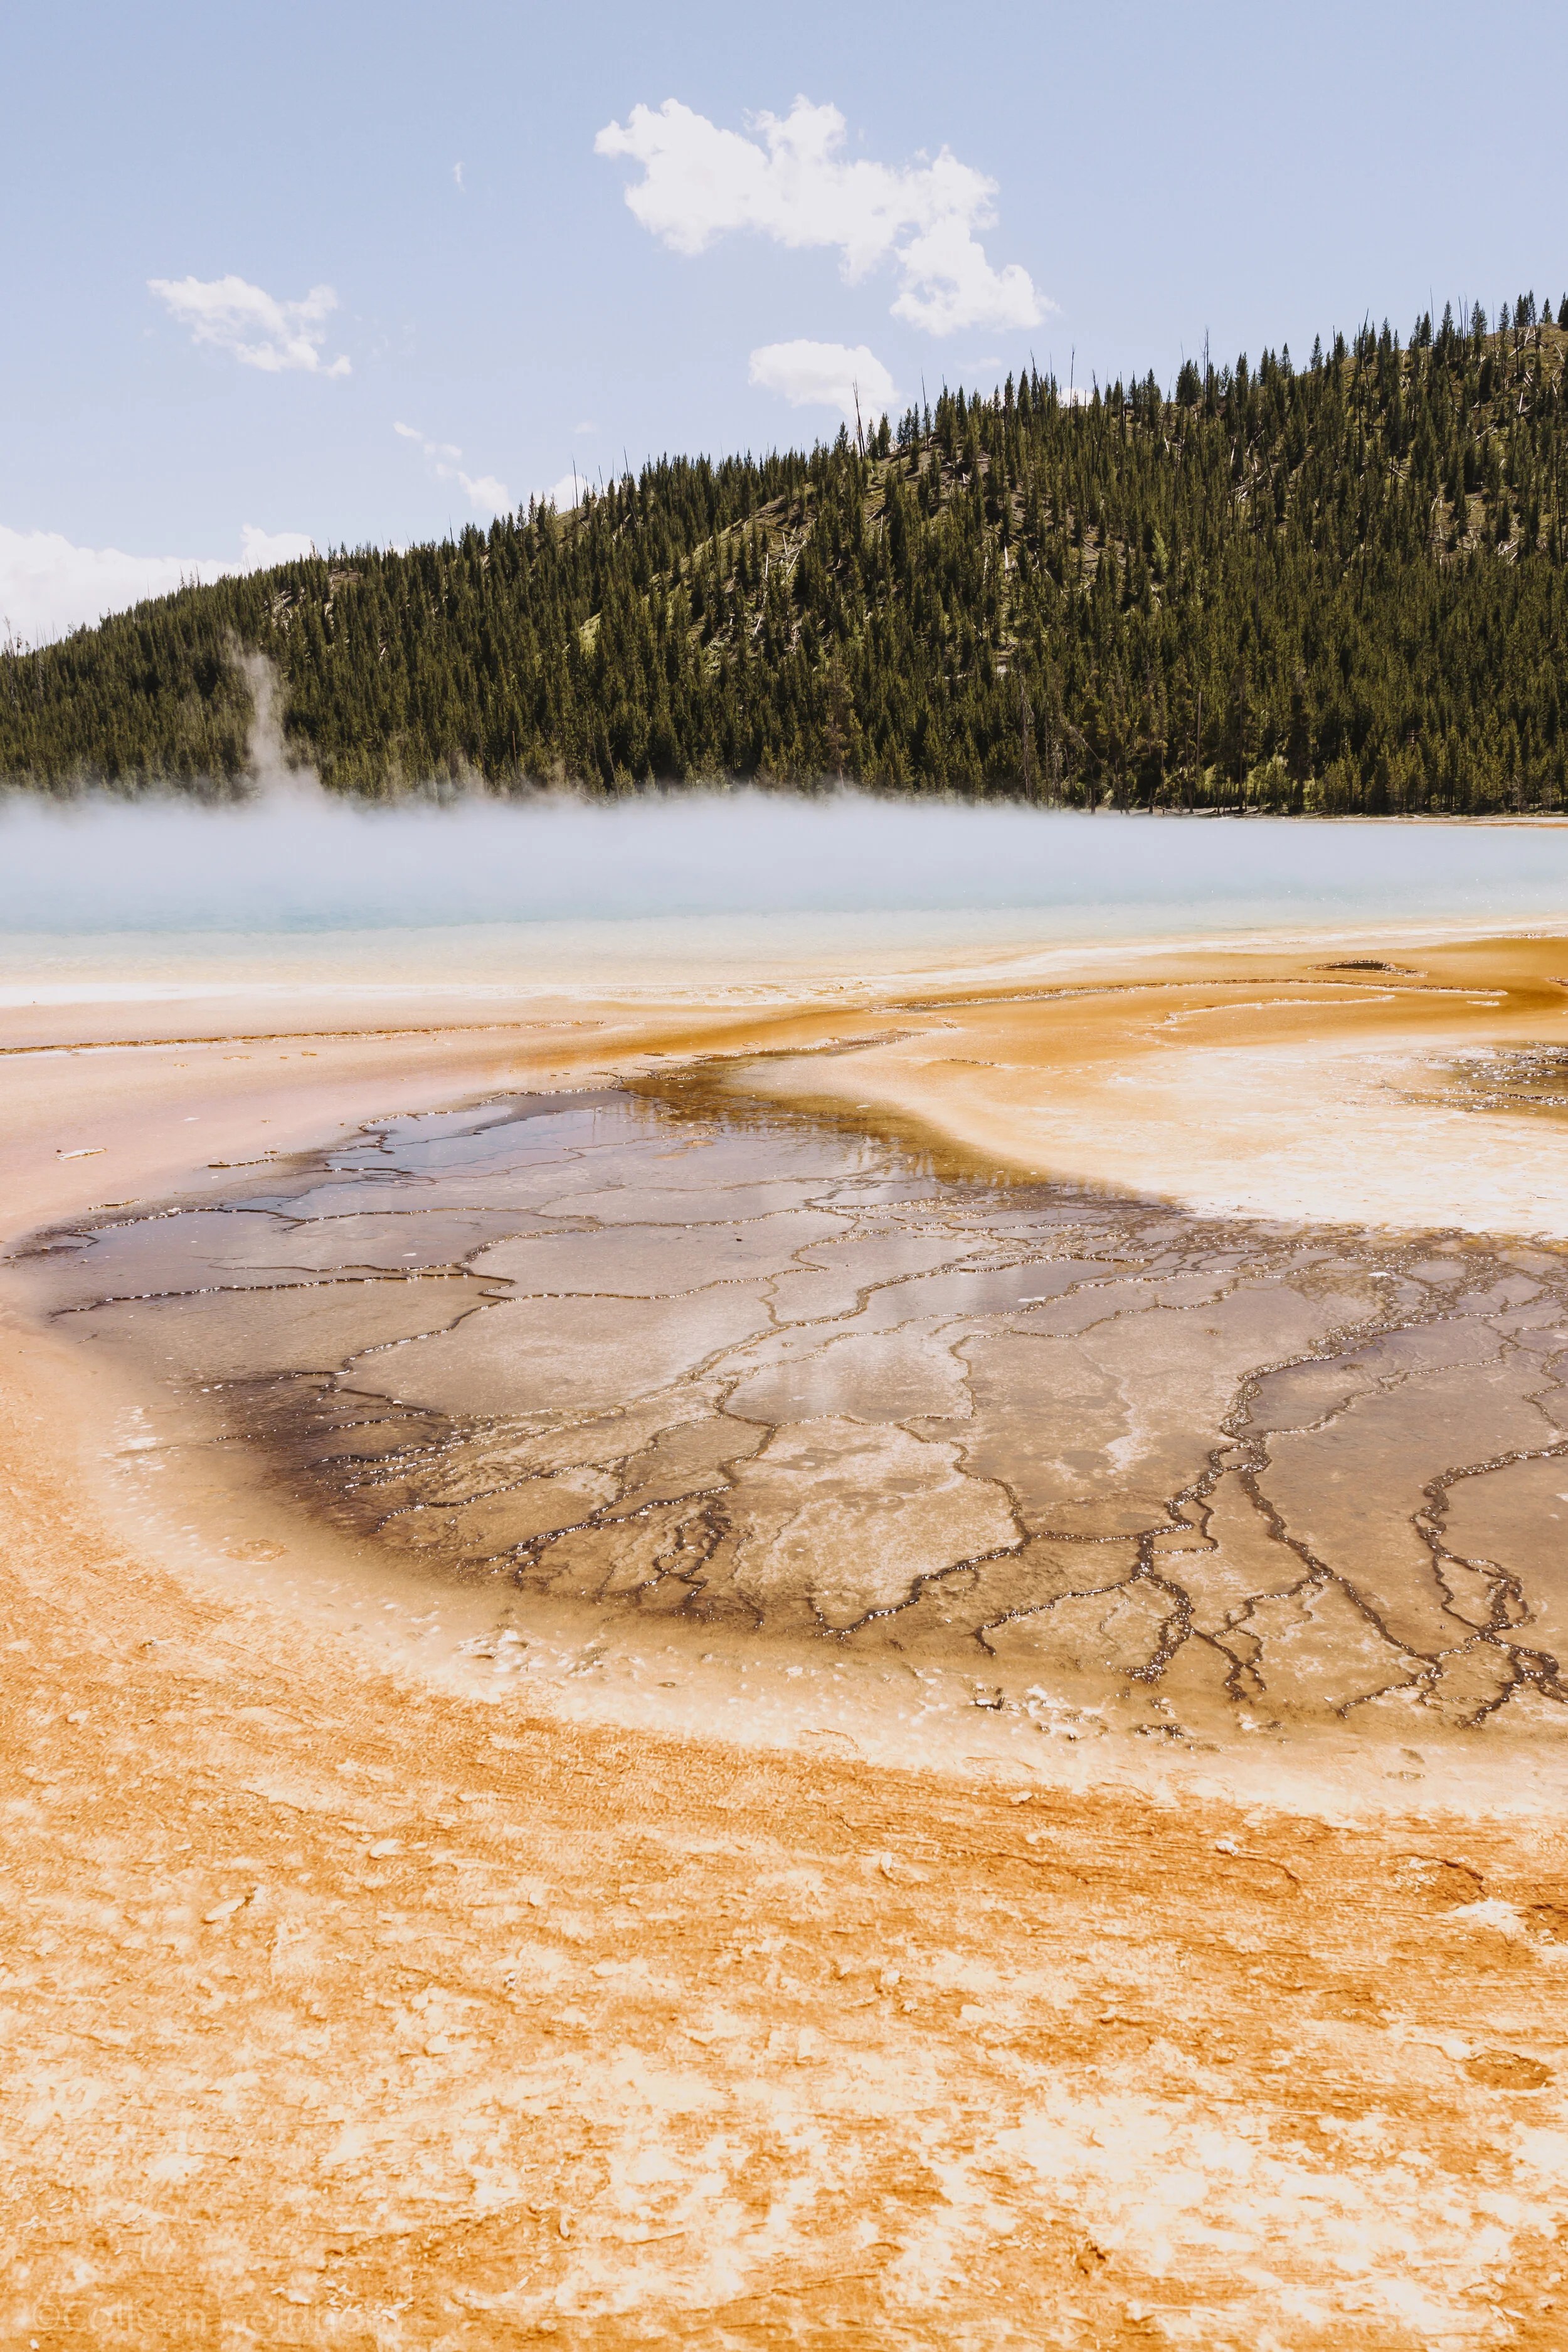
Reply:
x=1333, y=588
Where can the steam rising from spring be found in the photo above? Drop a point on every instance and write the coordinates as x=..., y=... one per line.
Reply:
x=713, y=873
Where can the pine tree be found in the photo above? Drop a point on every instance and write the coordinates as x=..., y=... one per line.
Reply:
x=1267, y=593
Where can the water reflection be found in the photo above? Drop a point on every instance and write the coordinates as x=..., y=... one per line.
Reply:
x=642, y=1358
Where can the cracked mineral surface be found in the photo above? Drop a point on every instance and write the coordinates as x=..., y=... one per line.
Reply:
x=665, y=1711
x=653, y=1356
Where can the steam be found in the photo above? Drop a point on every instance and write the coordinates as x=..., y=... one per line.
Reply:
x=294, y=860
x=280, y=781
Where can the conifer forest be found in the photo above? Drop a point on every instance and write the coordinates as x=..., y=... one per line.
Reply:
x=1332, y=588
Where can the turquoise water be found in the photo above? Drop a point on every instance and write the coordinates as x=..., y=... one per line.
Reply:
x=486, y=887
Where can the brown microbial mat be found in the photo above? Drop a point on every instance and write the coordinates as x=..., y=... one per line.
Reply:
x=647, y=1360
x=1525, y=1078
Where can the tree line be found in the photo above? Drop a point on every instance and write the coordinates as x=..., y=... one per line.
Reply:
x=1338, y=587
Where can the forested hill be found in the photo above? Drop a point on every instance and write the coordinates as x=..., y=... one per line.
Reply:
x=1339, y=587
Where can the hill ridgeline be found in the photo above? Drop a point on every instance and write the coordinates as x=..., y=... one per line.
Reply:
x=1329, y=588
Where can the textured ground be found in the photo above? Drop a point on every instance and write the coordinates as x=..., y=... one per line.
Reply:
x=1114, y=1465
x=342, y=2008
x=338, y=2013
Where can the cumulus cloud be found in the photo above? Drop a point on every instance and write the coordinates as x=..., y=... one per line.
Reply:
x=49, y=586
x=566, y=493
x=486, y=492
x=261, y=549
x=791, y=183
x=251, y=325
x=825, y=375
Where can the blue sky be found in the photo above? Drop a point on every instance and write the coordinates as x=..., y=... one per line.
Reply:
x=179, y=181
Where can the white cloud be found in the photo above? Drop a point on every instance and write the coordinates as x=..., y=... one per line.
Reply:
x=457, y=176
x=245, y=321
x=565, y=494
x=791, y=184
x=261, y=549
x=436, y=450
x=49, y=586
x=825, y=376
x=485, y=493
